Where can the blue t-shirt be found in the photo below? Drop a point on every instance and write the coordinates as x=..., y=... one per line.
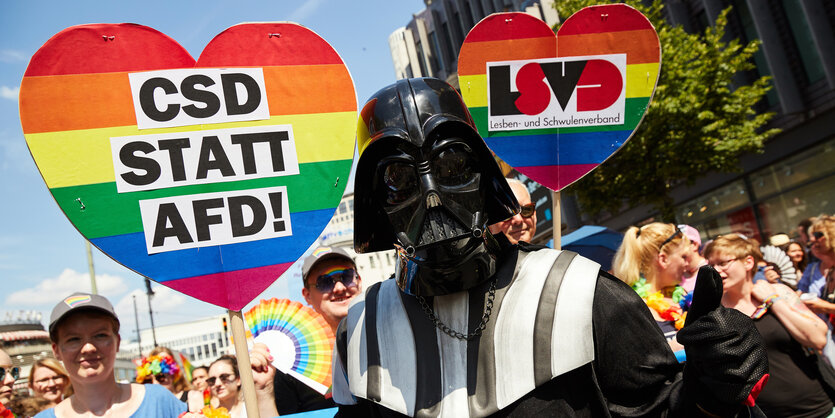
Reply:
x=157, y=402
x=812, y=280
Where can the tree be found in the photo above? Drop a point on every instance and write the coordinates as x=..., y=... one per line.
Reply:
x=698, y=121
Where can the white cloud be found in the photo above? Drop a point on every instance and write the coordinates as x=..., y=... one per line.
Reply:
x=10, y=55
x=50, y=291
x=10, y=93
x=304, y=11
x=165, y=300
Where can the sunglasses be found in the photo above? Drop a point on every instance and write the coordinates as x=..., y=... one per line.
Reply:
x=327, y=281
x=224, y=378
x=528, y=210
x=162, y=377
x=15, y=372
x=817, y=235
x=672, y=237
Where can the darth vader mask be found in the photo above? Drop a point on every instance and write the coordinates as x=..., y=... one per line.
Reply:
x=427, y=185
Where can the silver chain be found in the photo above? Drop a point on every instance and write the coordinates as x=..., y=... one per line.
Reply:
x=485, y=318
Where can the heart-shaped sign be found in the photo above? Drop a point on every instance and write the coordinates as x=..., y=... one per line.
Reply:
x=556, y=107
x=210, y=177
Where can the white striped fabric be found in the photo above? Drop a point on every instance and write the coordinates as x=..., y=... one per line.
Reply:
x=397, y=351
x=572, y=339
x=515, y=325
x=453, y=310
x=358, y=364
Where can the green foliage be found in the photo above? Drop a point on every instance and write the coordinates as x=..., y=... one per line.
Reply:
x=698, y=120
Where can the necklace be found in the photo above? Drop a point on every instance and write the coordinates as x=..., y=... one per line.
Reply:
x=667, y=311
x=488, y=309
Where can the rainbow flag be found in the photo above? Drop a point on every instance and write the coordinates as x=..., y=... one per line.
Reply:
x=557, y=157
x=76, y=95
x=187, y=367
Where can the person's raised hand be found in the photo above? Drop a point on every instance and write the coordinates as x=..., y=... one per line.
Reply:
x=262, y=369
x=726, y=360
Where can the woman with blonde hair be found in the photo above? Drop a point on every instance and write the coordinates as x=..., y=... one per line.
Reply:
x=50, y=381
x=652, y=259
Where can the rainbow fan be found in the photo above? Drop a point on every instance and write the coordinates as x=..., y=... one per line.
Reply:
x=299, y=339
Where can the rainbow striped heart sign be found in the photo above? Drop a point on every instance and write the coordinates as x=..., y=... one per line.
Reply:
x=556, y=107
x=211, y=176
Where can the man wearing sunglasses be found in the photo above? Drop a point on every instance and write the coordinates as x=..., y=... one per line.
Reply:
x=8, y=375
x=522, y=226
x=330, y=284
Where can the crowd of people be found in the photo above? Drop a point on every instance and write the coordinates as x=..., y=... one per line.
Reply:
x=476, y=321
x=658, y=259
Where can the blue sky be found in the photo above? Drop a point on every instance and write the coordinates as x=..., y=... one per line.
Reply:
x=42, y=256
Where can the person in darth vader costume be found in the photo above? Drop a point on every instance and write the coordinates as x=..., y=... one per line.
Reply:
x=472, y=325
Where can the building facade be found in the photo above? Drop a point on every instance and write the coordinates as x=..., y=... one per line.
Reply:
x=202, y=340
x=795, y=177
x=24, y=339
x=428, y=45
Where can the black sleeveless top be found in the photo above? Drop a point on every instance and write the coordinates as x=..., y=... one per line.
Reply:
x=794, y=387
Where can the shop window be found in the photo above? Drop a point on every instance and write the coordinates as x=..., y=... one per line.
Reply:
x=721, y=200
x=782, y=213
x=806, y=166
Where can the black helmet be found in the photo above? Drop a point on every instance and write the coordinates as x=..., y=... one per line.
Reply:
x=427, y=184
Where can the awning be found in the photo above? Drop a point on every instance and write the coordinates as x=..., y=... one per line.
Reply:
x=24, y=335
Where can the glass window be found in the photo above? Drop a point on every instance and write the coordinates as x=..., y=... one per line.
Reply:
x=342, y=208
x=803, y=41
x=468, y=15
x=716, y=202
x=782, y=213
x=459, y=28
x=199, y=352
x=488, y=7
x=421, y=59
x=450, y=48
x=749, y=33
x=808, y=165
x=436, y=49
x=214, y=350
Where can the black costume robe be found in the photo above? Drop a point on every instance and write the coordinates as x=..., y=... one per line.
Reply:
x=630, y=370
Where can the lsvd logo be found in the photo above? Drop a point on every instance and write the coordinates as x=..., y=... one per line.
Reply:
x=556, y=92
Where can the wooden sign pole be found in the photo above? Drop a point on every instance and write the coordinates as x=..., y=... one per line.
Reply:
x=244, y=366
x=557, y=219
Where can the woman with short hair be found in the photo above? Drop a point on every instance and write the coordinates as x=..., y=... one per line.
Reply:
x=792, y=334
x=84, y=331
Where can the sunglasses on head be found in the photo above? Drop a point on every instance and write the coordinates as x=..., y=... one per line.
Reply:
x=15, y=371
x=528, y=210
x=672, y=237
x=224, y=378
x=327, y=281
